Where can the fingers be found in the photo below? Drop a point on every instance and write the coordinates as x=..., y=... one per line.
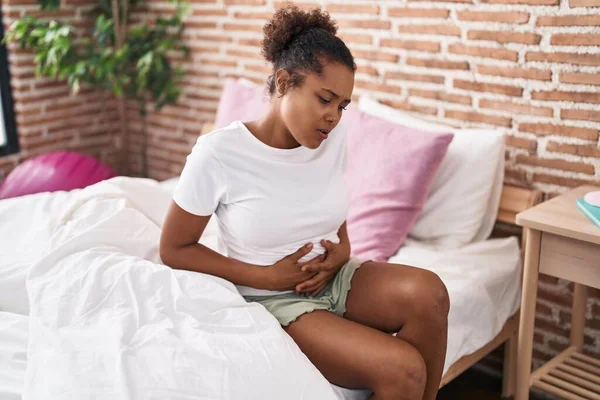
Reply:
x=317, y=266
x=302, y=251
x=311, y=284
x=317, y=259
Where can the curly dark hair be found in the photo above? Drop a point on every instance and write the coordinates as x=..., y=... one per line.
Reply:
x=302, y=41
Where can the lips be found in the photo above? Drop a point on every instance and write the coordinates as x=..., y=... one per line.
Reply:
x=323, y=133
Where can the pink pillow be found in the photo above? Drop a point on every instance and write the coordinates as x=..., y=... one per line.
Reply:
x=390, y=169
x=240, y=100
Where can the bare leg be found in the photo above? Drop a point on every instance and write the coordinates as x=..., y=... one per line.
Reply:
x=352, y=355
x=408, y=300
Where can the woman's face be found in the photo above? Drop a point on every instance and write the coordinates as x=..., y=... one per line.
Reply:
x=311, y=110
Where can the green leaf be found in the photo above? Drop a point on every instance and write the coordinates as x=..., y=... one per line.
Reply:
x=49, y=4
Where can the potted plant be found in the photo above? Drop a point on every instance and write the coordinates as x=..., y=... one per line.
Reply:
x=132, y=62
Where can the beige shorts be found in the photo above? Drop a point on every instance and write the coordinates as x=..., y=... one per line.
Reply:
x=288, y=307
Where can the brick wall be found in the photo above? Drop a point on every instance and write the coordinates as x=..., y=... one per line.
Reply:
x=528, y=67
x=48, y=117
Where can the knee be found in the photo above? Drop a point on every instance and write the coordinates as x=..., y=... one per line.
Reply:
x=404, y=377
x=432, y=299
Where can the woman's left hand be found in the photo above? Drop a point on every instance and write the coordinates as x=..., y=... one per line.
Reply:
x=335, y=257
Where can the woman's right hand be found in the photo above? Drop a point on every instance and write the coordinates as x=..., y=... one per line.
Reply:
x=286, y=273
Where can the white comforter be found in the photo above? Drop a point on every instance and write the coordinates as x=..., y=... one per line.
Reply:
x=108, y=320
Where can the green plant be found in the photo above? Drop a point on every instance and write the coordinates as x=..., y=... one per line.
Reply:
x=132, y=62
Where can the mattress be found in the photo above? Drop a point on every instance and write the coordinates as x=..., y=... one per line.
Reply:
x=483, y=279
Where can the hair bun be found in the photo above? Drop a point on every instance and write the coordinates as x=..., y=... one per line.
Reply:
x=287, y=24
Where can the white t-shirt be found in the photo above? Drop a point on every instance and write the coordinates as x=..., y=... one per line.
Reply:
x=269, y=201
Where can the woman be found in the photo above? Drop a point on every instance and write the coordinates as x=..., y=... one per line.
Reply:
x=277, y=187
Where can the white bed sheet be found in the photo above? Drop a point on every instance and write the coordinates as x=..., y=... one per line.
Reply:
x=483, y=279
x=13, y=354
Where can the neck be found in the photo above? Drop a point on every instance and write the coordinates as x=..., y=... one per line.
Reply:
x=271, y=130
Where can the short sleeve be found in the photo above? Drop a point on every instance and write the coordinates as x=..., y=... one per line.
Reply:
x=202, y=184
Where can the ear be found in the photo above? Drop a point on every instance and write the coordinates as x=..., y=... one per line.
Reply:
x=282, y=78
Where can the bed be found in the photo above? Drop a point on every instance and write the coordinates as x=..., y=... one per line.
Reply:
x=483, y=281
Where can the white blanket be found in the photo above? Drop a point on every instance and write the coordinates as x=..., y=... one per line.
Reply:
x=108, y=321
x=107, y=316
x=13, y=354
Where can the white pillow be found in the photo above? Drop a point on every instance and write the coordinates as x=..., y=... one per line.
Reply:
x=465, y=195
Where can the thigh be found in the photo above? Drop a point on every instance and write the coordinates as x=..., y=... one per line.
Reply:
x=384, y=296
x=349, y=354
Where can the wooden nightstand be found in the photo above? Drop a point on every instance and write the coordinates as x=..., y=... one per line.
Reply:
x=561, y=242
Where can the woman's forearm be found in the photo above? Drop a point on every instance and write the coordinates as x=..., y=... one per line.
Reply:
x=199, y=258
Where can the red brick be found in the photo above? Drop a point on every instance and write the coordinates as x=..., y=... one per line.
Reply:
x=505, y=37
x=356, y=38
x=418, y=45
x=556, y=164
x=576, y=39
x=515, y=17
x=451, y=1
x=376, y=55
x=365, y=24
x=437, y=64
x=527, y=2
x=199, y=24
x=451, y=30
x=406, y=12
x=516, y=175
x=576, y=149
x=219, y=62
x=233, y=27
x=564, y=58
x=584, y=3
x=405, y=76
x=378, y=87
x=51, y=14
x=366, y=69
x=580, y=78
x=302, y=6
x=551, y=327
x=485, y=52
x=440, y=95
x=400, y=105
x=474, y=116
x=245, y=2
x=522, y=143
x=488, y=87
x=564, y=181
x=569, y=20
x=562, y=130
x=583, y=115
x=262, y=15
x=516, y=108
x=230, y=52
x=353, y=8
x=579, y=97
x=249, y=42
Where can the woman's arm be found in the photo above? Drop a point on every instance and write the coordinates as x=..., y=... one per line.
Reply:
x=343, y=235
x=179, y=249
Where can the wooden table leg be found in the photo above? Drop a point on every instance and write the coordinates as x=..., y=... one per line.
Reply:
x=578, y=315
x=528, y=302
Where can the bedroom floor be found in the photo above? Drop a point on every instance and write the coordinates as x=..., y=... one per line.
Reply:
x=474, y=385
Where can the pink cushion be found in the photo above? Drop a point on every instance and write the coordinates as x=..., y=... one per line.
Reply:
x=390, y=169
x=54, y=171
x=240, y=100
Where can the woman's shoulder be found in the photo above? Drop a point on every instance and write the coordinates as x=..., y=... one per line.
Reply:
x=221, y=136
